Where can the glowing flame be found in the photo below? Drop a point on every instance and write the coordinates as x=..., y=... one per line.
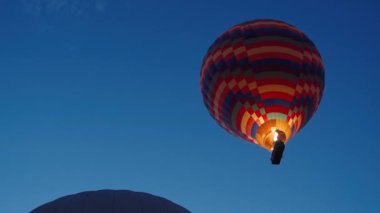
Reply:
x=275, y=136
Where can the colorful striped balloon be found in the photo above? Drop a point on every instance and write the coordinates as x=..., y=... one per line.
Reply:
x=261, y=76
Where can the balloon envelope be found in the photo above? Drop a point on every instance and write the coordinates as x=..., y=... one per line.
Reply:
x=262, y=76
x=110, y=201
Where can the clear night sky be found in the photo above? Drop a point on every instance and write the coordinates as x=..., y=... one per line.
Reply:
x=105, y=94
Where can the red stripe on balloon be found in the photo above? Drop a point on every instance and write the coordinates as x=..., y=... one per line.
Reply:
x=276, y=95
x=276, y=108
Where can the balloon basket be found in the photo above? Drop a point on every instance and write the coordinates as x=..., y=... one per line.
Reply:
x=277, y=152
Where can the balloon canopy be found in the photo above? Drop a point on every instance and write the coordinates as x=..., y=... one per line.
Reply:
x=110, y=201
x=261, y=78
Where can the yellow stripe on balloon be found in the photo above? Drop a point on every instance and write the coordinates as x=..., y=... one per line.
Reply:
x=261, y=120
x=254, y=116
x=290, y=122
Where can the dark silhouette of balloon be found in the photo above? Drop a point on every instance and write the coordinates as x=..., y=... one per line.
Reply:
x=261, y=79
x=110, y=201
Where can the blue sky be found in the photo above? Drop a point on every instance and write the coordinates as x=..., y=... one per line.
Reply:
x=105, y=94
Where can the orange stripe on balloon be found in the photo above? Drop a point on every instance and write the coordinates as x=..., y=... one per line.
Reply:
x=243, y=123
x=275, y=49
x=276, y=88
x=249, y=126
x=218, y=94
x=272, y=55
x=277, y=44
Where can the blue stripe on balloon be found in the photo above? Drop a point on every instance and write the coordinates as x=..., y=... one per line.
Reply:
x=278, y=102
x=254, y=129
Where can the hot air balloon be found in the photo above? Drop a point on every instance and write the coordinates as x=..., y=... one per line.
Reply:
x=262, y=81
x=110, y=201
